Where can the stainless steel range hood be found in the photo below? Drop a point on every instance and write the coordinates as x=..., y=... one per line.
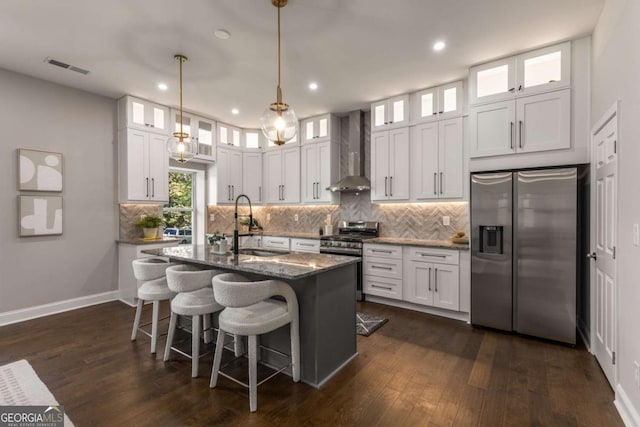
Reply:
x=355, y=181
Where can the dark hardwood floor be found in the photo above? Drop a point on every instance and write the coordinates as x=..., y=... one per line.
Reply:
x=416, y=370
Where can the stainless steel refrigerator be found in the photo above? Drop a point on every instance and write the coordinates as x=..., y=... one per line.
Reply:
x=525, y=228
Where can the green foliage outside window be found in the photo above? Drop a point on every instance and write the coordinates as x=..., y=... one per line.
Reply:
x=180, y=196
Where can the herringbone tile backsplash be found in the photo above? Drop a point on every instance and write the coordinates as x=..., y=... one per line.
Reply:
x=130, y=214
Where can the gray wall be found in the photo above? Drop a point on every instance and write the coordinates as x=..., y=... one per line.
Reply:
x=616, y=76
x=39, y=115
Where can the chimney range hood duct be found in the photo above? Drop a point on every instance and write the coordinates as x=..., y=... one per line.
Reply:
x=355, y=181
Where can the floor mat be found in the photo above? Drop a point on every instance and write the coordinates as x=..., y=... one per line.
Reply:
x=366, y=324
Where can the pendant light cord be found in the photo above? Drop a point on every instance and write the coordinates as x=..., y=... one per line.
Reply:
x=181, y=131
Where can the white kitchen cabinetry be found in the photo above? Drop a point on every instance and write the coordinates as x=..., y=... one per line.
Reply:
x=305, y=245
x=229, y=135
x=528, y=124
x=275, y=242
x=143, y=166
x=127, y=283
x=320, y=128
x=281, y=182
x=229, y=175
x=437, y=160
x=135, y=113
x=319, y=168
x=390, y=165
x=437, y=103
x=252, y=176
x=252, y=140
x=382, y=271
x=533, y=72
x=201, y=132
x=250, y=241
x=390, y=113
x=432, y=277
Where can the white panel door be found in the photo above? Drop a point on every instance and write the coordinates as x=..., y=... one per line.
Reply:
x=252, y=176
x=492, y=129
x=604, y=162
x=450, y=100
x=425, y=106
x=272, y=183
x=418, y=282
x=309, y=172
x=424, y=162
x=544, y=69
x=291, y=175
x=494, y=81
x=158, y=168
x=235, y=173
x=544, y=122
x=446, y=284
x=222, y=176
x=380, y=165
x=324, y=172
x=137, y=165
x=399, y=164
x=450, y=161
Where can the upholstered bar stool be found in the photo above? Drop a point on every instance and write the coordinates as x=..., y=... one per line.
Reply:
x=151, y=272
x=194, y=299
x=250, y=311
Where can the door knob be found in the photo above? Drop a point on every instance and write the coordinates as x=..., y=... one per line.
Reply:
x=593, y=256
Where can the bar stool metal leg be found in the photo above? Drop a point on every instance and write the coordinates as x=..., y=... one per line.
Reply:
x=195, y=345
x=253, y=373
x=136, y=321
x=154, y=326
x=217, y=358
x=170, y=334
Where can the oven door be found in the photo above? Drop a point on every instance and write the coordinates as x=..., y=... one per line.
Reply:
x=330, y=251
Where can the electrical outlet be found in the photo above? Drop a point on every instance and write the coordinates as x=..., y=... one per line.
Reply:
x=636, y=235
x=212, y=217
x=637, y=373
x=295, y=217
x=268, y=217
x=446, y=220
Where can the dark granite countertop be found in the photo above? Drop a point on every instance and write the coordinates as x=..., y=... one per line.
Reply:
x=292, y=266
x=141, y=241
x=444, y=244
x=289, y=234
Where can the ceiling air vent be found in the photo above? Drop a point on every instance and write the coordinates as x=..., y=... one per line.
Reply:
x=66, y=66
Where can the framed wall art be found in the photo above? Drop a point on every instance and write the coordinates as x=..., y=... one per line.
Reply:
x=39, y=170
x=40, y=215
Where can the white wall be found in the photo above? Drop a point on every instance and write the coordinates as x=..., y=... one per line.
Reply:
x=39, y=115
x=616, y=76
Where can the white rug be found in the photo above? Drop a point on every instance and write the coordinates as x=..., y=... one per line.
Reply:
x=20, y=386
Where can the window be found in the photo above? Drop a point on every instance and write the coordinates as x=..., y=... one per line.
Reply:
x=179, y=213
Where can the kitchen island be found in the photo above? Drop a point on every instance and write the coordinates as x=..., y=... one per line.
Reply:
x=325, y=286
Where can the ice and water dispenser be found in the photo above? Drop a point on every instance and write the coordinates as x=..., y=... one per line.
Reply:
x=491, y=239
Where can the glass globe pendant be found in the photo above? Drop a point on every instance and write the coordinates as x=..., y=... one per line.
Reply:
x=279, y=123
x=181, y=148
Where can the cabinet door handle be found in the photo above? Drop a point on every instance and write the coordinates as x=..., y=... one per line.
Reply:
x=381, y=251
x=377, y=267
x=390, y=186
x=435, y=179
x=385, y=186
x=520, y=143
x=441, y=192
x=435, y=276
x=429, y=279
x=147, y=186
x=228, y=192
x=436, y=255
x=511, y=135
x=520, y=88
x=233, y=192
x=382, y=287
x=283, y=195
x=513, y=89
x=260, y=193
x=441, y=112
x=153, y=187
x=309, y=245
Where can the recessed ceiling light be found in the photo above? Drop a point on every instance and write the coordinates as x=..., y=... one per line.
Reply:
x=438, y=46
x=313, y=86
x=235, y=111
x=163, y=86
x=222, y=34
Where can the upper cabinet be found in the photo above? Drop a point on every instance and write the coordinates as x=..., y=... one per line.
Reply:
x=201, y=131
x=252, y=176
x=252, y=140
x=229, y=136
x=281, y=176
x=143, y=166
x=390, y=165
x=390, y=113
x=529, y=124
x=229, y=175
x=135, y=113
x=533, y=72
x=319, y=169
x=320, y=128
x=437, y=103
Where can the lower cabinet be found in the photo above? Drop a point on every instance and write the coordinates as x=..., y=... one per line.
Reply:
x=275, y=242
x=382, y=271
x=306, y=245
x=432, y=284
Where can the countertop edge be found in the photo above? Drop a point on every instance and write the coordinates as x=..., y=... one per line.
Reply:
x=442, y=244
x=141, y=242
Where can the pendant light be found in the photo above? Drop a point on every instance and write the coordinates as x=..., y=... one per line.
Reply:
x=279, y=122
x=180, y=146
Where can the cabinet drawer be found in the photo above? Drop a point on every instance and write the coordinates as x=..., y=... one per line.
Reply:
x=383, y=287
x=305, y=245
x=383, y=251
x=442, y=256
x=275, y=242
x=383, y=267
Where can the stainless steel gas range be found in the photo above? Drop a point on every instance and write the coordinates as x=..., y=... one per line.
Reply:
x=349, y=241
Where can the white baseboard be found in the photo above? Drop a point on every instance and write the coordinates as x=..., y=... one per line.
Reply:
x=627, y=411
x=15, y=316
x=456, y=315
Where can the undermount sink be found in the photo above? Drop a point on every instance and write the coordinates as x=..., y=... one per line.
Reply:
x=261, y=252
